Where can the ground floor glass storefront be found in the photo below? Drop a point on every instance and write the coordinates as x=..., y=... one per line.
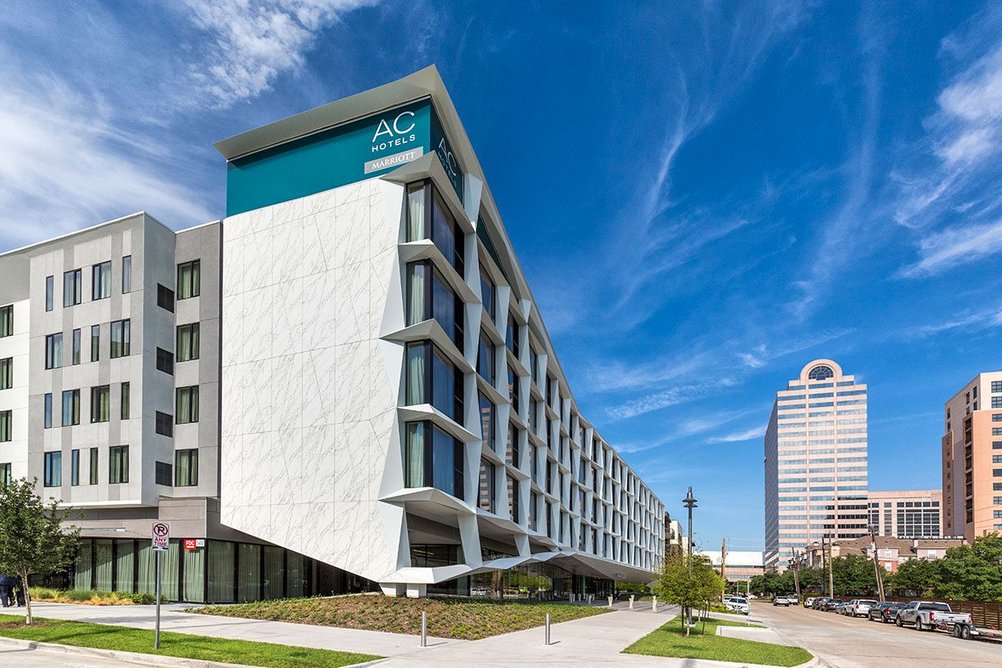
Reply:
x=539, y=582
x=219, y=572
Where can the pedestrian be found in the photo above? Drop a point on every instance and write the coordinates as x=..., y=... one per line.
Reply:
x=19, y=590
x=5, y=591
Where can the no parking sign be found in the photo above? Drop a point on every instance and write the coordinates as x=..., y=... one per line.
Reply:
x=161, y=536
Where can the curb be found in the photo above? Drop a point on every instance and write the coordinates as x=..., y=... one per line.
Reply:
x=135, y=657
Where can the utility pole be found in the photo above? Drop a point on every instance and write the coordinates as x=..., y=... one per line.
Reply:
x=723, y=566
x=831, y=569
x=876, y=565
x=796, y=573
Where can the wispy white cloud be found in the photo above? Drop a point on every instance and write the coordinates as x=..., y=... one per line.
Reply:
x=750, y=434
x=671, y=396
x=955, y=246
x=252, y=42
x=969, y=321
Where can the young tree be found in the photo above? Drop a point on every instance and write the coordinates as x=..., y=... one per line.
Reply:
x=688, y=587
x=32, y=538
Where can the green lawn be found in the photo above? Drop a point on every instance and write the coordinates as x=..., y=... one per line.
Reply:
x=670, y=640
x=103, y=636
x=447, y=618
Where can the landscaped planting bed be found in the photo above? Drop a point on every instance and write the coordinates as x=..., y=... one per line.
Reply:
x=447, y=618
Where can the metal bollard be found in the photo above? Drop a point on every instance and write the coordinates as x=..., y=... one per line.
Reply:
x=424, y=629
x=547, y=628
x=654, y=604
x=631, y=601
x=610, y=601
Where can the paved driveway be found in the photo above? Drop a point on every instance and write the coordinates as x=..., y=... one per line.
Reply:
x=844, y=642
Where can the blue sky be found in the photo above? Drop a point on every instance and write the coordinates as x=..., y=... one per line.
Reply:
x=705, y=196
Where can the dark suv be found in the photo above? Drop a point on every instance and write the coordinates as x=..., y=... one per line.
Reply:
x=885, y=611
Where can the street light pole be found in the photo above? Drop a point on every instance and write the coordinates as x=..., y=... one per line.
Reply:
x=690, y=502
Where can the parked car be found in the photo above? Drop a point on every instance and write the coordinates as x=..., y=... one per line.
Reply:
x=784, y=600
x=819, y=602
x=859, y=607
x=884, y=611
x=833, y=605
x=927, y=615
x=737, y=604
x=809, y=601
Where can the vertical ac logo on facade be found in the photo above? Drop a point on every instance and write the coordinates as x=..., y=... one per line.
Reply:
x=398, y=132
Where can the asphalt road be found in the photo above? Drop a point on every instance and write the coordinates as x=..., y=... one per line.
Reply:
x=843, y=642
x=38, y=658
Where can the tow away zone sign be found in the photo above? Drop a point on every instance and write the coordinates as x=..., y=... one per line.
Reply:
x=161, y=536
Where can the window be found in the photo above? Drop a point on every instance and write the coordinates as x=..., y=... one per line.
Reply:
x=533, y=502
x=6, y=373
x=93, y=466
x=53, y=474
x=101, y=285
x=189, y=279
x=100, y=403
x=433, y=299
x=432, y=378
x=428, y=217
x=487, y=294
x=187, y=342
x=997, y=402
x=997, y=417
x=487, y=486
x=186, y=405
x=126, y=274
x=54, y=351
x=49, y=289
x=124, y=407
x=511, y=448
x=997, y=386
x=485, y=358
x=5, y=476
x=6, y=320
x=95, y=343
x=164, y=473
x=513, y=500
x=121, y=338
x=996, y=459
x=165, y=297
x=75, y=347
x=71, y=407
x=165, y=361
x=72, y=287
x=164, y=424
x=74, y=467
x=487, y=421
x=820, y=372
x=513, y=388
x=512, y=336
x=6, y=426
x=47, y=412
x=118, y=464
x=434, y=458
x=186, y=468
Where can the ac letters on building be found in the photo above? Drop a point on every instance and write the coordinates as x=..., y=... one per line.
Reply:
x=338, y=156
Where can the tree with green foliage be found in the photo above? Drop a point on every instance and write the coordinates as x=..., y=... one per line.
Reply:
x=853, y=574
x=32, y=537
x=915, y=577
x=972, y=572
x=690, y=585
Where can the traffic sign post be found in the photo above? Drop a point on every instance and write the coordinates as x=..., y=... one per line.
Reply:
x=161, y=542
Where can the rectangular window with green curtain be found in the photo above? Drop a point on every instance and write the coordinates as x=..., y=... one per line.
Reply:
x=125, y=554
x=169, y=565
x=6, y=320
x=93, y=466
x=187, y=342
x=194, y=576
x=273, y=578
x=6, y=426
x=74, y=467
x=84, y=566
x=103, y=558
x=145, y=556
x=6, y=373
x=77, y=342
x=220, y=555
x=95, y=343
x=118, y=464
x=100, y=403
x=186, y=468
x=186, y=405
x=189, y=279
x=125, y=398
x=249, y=577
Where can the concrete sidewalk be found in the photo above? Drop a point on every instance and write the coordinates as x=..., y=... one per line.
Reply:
x=284, y=633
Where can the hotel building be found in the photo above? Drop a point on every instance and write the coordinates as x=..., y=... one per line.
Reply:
x=972, y=458
x=815, y=462
x=343, y=384
x=906, y=513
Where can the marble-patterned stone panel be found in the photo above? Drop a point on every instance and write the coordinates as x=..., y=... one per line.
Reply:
x=286, y=251
x=257, y=324
x=350, y=284
x=352, y=363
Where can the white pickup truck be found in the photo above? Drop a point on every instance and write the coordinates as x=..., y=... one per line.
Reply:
x=930, y=615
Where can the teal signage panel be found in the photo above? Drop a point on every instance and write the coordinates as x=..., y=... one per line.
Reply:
x=446, y=155
x=336, y=157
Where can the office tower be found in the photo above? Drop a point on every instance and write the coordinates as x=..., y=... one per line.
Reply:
x=815, y=462
x=972, y=458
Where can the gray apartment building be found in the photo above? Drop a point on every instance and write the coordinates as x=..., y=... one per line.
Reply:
x=343, y=384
